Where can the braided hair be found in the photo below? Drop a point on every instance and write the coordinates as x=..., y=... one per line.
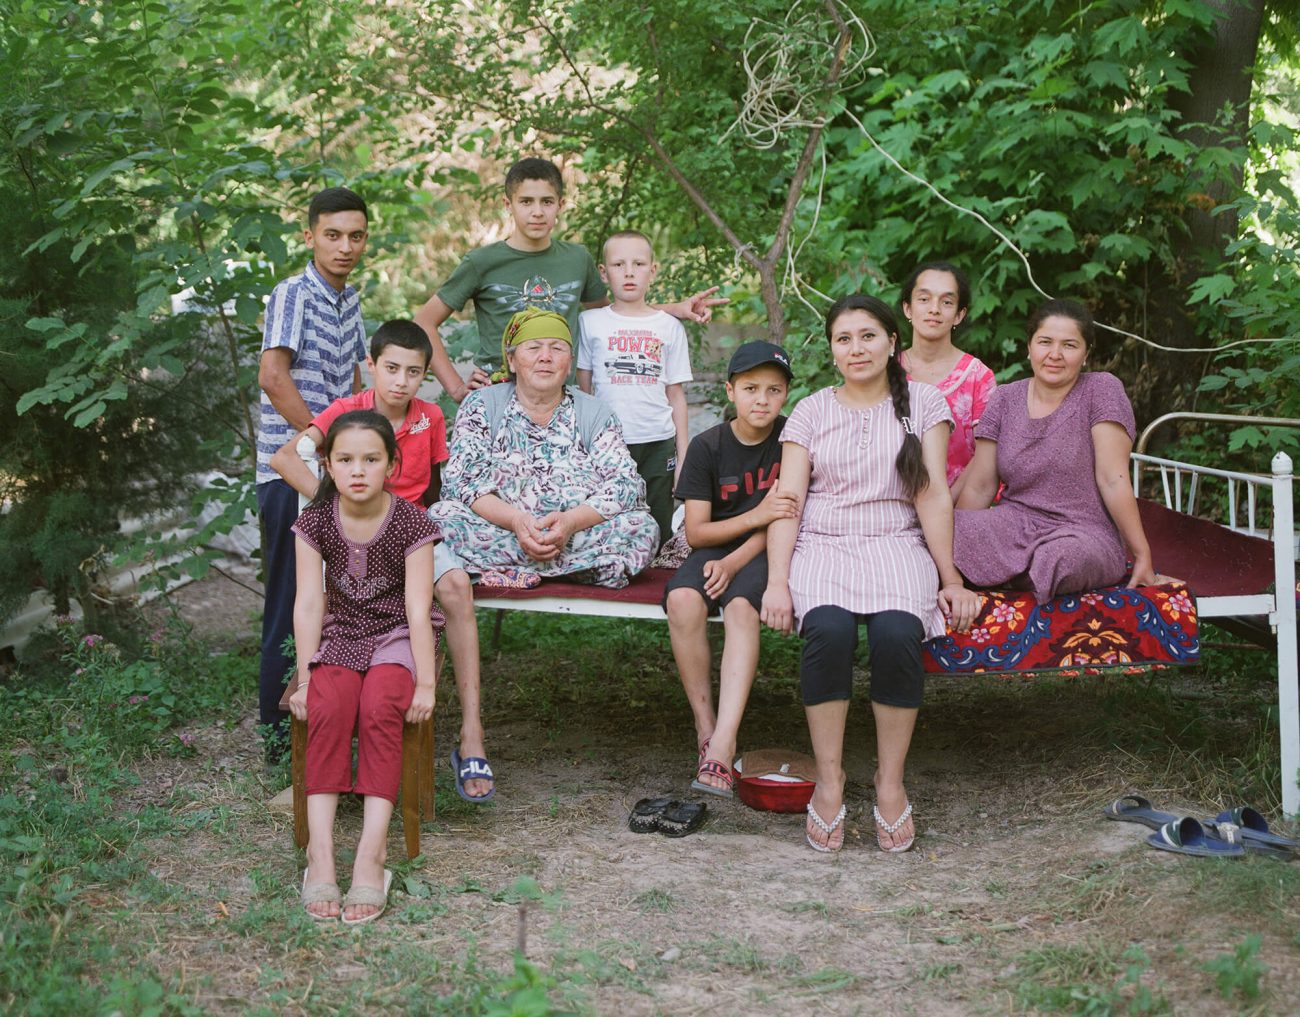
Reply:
x=366, y=420
x=910, y=464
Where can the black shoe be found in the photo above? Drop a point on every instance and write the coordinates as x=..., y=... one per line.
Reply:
x=681, y=818
x=646, y=813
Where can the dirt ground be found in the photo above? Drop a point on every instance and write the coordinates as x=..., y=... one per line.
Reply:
x=1017, y=886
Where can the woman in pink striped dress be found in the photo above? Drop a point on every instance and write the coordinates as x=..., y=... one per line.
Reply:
x=873, y=544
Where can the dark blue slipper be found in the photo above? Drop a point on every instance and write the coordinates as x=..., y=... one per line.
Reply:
x=1136, y=809
x=1186, y=836
x=472, y=768
x=1250, y=828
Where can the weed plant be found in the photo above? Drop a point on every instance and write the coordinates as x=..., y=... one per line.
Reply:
x=65, y=759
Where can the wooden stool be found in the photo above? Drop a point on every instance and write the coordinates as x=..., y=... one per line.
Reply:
x=416, y=797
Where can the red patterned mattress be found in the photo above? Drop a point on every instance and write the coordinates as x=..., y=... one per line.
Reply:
x=1114, y=627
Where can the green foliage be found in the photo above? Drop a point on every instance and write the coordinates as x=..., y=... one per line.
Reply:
x=1060, y=127
x=68, y=473
x=1238, y=973
x=153, y=150
x=1058, y=130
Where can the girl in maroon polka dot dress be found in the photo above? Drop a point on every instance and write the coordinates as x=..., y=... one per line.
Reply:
x=365, y=641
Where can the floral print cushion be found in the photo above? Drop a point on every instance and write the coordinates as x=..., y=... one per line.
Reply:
x=1114, y=627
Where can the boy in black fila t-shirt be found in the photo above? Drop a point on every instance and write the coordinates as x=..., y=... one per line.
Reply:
x=729, y=484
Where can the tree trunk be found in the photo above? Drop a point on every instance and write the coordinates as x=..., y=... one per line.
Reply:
x=1221, y=77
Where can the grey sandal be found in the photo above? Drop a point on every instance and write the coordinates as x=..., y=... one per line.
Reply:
x=319, y=893
x=370, y=896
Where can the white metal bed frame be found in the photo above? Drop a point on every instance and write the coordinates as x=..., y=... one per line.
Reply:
x=1246, y=496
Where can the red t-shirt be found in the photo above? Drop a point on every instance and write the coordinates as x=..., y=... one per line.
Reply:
x=421, y=441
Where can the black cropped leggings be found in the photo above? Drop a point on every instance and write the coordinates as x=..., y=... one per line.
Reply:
x=830, y=640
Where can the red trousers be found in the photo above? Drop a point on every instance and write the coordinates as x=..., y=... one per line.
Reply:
x=374, y=705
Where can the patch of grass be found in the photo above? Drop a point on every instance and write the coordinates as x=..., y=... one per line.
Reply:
x=58, y=837
x=1102, y=889
x=1262, y=889
x=405, y=977
x=733, y=953
x=1088, y=979
x=654, y=900
x=939, y=972
x=824, y=980
x=1211, y=729
x=65, y=842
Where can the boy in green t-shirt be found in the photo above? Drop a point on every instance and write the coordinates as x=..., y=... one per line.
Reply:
x=527, y=269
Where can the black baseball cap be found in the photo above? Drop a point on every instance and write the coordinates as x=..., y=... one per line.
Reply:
x=756, y=354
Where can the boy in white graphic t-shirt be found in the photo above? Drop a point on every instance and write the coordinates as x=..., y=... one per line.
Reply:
x=635, y=357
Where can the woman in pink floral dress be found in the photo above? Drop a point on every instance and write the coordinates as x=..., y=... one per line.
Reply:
x=936, y=299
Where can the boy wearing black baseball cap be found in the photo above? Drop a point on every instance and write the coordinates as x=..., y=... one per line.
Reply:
x=730, y=487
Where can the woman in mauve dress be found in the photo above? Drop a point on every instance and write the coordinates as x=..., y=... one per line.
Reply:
x=1060, y=442
x=872, y=544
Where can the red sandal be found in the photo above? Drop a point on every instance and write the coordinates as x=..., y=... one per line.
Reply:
x=712, y=768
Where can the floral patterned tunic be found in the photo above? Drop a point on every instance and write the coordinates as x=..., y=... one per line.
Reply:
x=544, y=468
x=967, y=387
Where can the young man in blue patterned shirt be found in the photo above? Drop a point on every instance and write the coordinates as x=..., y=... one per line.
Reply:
x=313, y=342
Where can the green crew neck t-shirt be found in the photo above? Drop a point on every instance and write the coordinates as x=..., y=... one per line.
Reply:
x=502, y=281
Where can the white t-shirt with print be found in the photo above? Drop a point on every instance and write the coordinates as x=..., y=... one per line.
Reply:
x=631, y=359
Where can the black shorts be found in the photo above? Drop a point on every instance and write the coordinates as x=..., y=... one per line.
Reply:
x=749, y=582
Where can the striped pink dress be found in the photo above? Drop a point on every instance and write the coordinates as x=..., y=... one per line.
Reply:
x=860, y=545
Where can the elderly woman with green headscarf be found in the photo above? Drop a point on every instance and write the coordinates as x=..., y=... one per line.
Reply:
x=540, y=482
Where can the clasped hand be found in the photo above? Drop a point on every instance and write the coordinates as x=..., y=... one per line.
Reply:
x=542, y=539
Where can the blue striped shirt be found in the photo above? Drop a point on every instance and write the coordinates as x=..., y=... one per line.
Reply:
x=327, y=337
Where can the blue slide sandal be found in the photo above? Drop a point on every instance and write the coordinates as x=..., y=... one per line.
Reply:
x=1252, y=829
x=1186, y=836
x=1136, y=809
x=472, y=768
